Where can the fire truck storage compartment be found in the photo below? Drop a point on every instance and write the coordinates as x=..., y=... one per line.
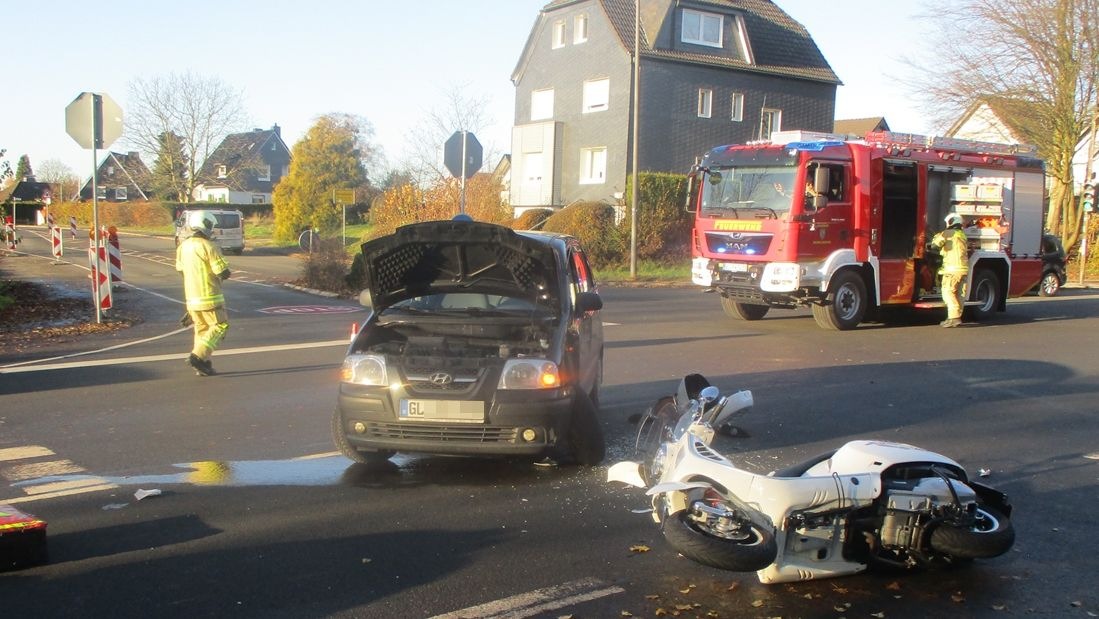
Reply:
x=899, y=209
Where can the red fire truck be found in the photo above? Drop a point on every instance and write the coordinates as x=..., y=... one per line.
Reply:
x=843, y=226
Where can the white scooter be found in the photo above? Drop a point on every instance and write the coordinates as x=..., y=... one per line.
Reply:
x=866, y=503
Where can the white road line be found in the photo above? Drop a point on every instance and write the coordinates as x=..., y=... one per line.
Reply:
x=537, y=601
x=16, y=369
x=36, y=470
x=23, y=453
x=53, y=495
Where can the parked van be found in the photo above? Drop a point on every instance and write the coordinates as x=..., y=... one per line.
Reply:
x=228, y=232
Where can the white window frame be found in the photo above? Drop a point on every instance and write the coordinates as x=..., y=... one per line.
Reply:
x=705, y=102
x=775, y=124
x=699, y=37
x=593, y=165
x=264, y=174
x=222, y=171
x=259, y=198
x=597, y=94
x=120, y=193
x=580, y=28
x=736, y=109
x=558, y=40
x=541, y=104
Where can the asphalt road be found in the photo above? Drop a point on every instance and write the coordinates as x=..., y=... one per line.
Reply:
x=258, y=516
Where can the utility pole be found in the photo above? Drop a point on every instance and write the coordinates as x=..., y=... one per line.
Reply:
x=636, y=121
x=1088, y=179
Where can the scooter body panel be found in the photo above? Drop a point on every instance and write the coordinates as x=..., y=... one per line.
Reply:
x=875, y=457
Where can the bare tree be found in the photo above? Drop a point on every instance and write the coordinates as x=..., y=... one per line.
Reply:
x=1041, y=56
x=199, y=110
x=62, y=179
x=457, y=110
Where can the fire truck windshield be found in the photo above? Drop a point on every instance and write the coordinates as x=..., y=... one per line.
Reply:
x=756, y=192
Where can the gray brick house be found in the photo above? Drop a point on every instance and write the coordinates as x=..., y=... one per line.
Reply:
x=712, y=72
x=244, y=168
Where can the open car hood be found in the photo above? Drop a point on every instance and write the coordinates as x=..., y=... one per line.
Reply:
x=457, y=256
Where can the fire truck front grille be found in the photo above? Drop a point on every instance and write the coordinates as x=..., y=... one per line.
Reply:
x=739, y=243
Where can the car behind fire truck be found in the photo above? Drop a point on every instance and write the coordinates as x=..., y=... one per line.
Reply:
x=843, y=226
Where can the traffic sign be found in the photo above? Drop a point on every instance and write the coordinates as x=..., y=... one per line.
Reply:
x=344, y=196
x=94, y=120
x=462, y=154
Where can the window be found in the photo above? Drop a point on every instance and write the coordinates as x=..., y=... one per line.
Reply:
x=738, y=107
x=222, y=171
x=558, y=34
x=120, y=193
x=258, y=198
x=593, y=165
x=264, y=174
x=705, y=102
x=101, y=193
x=596, y=95
x=701, y=28
x=580, y=28
x=769, y=122
x=541, y=104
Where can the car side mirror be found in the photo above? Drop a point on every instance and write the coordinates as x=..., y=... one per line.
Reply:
x=588, y=302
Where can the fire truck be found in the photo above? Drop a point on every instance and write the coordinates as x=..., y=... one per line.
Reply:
x=843, y=226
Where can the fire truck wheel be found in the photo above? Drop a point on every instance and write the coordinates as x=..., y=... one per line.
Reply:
x=743, y=311
x=845, y=305
x=986, y=292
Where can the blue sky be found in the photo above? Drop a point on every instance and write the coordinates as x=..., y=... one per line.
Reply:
x=296, y=60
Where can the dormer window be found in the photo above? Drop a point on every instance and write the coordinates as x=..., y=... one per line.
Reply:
x=222, y=172
x=580, y=28
x=701, y=28
x=558, y=34
x=264, y=174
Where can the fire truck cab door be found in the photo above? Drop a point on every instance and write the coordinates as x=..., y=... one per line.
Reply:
x=828, y=228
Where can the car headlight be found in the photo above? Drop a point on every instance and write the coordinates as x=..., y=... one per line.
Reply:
x=529, y=374
x=364, y=370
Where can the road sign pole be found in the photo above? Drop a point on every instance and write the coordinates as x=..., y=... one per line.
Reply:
x=95, y=200
x=465, y=157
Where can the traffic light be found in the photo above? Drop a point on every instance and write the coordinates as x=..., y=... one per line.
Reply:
x=1087, y=197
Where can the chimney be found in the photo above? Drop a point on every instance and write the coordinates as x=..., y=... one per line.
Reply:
x=277, y=130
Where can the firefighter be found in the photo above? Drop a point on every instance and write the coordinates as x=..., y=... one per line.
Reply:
x=953, y=245
x=203, y=268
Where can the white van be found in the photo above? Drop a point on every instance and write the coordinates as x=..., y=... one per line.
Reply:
x=228, y=232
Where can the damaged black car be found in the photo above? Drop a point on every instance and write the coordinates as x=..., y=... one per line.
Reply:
x=481, y=341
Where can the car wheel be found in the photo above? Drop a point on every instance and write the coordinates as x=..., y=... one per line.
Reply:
x=348, y=451
x=585, y=436
x=986, y=292
x=1050, y=285
x=743, y=311
x=845, y=305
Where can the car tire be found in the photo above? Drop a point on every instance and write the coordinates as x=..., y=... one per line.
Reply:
x=348, y=451
x=743, y=311
x=845, y=305
x=986, y=292
x=587, y=445
x=1050, y=284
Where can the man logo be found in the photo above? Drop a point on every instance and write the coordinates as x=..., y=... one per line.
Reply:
x=441, y=379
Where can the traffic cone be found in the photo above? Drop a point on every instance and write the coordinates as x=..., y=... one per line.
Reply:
x=354, y=332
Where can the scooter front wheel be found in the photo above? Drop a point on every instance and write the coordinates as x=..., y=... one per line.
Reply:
x=655, y=430
x=753, y=548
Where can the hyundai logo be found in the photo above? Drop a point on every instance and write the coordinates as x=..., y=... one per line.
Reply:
x=441, y=378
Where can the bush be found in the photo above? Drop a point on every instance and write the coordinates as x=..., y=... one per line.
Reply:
x=593, y=224
x=121, y=214
x=663, y=224
x=326, y=267
x=531, y=219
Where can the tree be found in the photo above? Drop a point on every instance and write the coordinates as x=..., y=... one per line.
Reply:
x=5, y=168
x=170, y=172
x=1043, y=55
x=332, y=155
x=23, y=168
x=64, y=182
x=457, y=111
x=198, y=111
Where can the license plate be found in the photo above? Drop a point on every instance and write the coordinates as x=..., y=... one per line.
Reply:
x=463, y=411
x=735, y=267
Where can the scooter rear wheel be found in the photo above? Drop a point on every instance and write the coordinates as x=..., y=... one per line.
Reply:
x=754, y=551
x=991, y=535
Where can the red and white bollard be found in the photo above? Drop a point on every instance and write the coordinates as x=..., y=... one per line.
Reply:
x=56, y=243
x=115, y=254
x=101, y=277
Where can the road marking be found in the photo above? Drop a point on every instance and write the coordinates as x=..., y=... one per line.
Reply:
x=34, y=478
x=538, y=601
x=20, y=368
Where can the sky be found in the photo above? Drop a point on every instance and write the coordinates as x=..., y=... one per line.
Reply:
x=294, y=61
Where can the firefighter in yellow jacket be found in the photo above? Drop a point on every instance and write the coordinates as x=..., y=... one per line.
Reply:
x=953, y=245
x=203, y=268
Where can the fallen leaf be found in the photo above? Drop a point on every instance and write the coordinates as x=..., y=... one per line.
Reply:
x=1076, y=604
x=625, y=613
x=733, y=586
x=840, y=590
x=878, y=615
x=640, y=548
x=660, y=612
x=757, y=603
x=712, y=614
x=808, y=596
x=652, y=596
x=957, y=597
x=894, y=586
x=998, y=607
x=683, y=607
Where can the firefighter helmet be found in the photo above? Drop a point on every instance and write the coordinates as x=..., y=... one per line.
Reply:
x=953, y=219
x=201, y=221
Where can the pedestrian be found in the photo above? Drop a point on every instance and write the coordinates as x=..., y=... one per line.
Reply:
x=953, y=246
x=203, y=268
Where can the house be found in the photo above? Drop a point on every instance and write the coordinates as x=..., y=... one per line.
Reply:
x=25, y=200
x=120, y=177
x=1008, y=121
x=712, y=72
x=857, y=128
x=244, y=168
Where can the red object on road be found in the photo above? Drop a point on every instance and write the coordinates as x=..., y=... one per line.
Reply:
x=22, y=539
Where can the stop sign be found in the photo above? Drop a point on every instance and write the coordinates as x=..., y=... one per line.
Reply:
x=94, y=120
x=462, y=154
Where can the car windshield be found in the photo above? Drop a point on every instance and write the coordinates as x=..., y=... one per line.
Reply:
x=756, y=192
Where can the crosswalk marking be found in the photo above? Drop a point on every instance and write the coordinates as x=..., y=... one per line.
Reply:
x=25, y=464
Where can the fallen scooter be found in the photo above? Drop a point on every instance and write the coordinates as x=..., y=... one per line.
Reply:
x=868, y=503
